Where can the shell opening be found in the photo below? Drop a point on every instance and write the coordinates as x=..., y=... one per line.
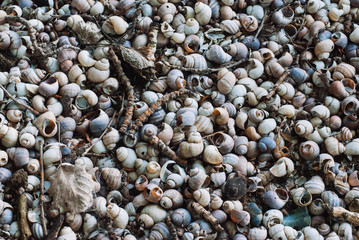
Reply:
x=49, y=126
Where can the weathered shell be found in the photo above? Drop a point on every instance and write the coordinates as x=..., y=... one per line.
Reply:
x=112, y=177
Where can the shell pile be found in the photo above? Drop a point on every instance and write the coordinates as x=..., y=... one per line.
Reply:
x=179, y=119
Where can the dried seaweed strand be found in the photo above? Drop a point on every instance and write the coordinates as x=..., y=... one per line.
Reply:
x=207, y=216
x=42, y=212
x=166, y=150
x=173, y=229
x=340, y=212
x=152, y=43
x=24, y=225
x=129, y=89
x=275, y=87
x=207, y=70
x=146, y=114
x=103, y=133
x=18, y=102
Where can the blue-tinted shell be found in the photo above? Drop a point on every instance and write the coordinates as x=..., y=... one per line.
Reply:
x=187, y=236
x=25, y=3
x=159, y=230
x=6, y=216
x=37, y=230
x=256, y=214
x=181, y=217
x=251, y=42
x=99, y=123
x=299, y=75
x=322, y=35
x=158, y=116
x=276, y=199
x=5, y=174
x=65, y=151
x=266, y=144
x=351, y=50
x=230, y=108
x=339, y=39
x=215, y=7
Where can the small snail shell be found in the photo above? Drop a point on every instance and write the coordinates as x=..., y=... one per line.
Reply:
x=3, y=158
x=282, y=167
x=110, y=85
x=309, y=150
x=354, y=36
x=316, y=207
x=197, y=179
x=52, y=153
x=240, y=217
x=74, y=221
x=315, y=185
x=194, y=60
x=255, y=68
x=202, y=196
x=27, y=140
x=320, y=111
x=99, y=72
x=218, y=55
x=301, y=197
x=49, y=87
x=152, y=214
x=86, y=99
x=152, y=170
x=192, y=26
x=192, y=43
x=153, y=193
x=175, y=79
x=203, y=13
x=272, y=217
x=353, y=179
x=224, y=142
x=32, y=75
x=276, y=199
x=100, y=205
x=99, y=123
x=66, y=233
x=193, y=147
x=119, y=215
x=111, y=138
x=286, y=91
x=46, y=123
x=266, y=126
x=19, y=155
x=220, y=116
x=250, y=23
x=171, y=199
x=181, y=217
x=14, y=115
x=115, y=25
x=211, y=155
x=85, y=59
x=240, y=145
x=323, y=49
x=231, y=27
x=226, y=81
x=166, y=12
x=112, y=177
x=333, y=146
x=303, y=128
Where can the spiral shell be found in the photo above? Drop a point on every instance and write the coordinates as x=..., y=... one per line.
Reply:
x=112, y=177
